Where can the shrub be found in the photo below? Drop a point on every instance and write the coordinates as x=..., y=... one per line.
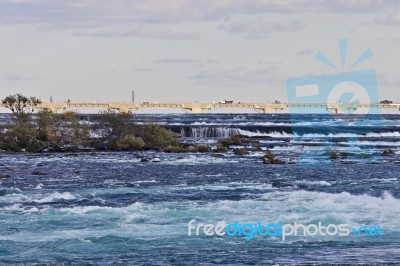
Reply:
x=21, y=136
x=112, y=126
x=129, y=142
x=157, y=137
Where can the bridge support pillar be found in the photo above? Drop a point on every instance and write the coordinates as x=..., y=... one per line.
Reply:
x=49, y=109
x=269, y=110
x=272, y=110
x=124, y=110
x=335, y=111
x=196, y=110
x=332, y=110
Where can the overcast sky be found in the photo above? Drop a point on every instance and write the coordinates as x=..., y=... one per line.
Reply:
x=184, y=50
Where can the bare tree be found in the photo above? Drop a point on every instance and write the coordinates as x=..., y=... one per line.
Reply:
x=20, y=104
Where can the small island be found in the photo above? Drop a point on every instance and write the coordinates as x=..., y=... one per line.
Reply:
x=45, y=131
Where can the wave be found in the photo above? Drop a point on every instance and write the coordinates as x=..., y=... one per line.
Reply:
x=238, y=185
x=39, y=186
x=257, y=133
x=254, y=123
x=169, y=219
x=308, y=207
x=195, y=159
x=56, y=196
x=145, y=181
x=313, y=183
x=19, y=208
x=16, y=196
x=9, y=191
x=384, y=134
x=277, y=134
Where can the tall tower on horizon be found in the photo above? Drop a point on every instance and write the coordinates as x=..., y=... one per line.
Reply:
x=133, y=96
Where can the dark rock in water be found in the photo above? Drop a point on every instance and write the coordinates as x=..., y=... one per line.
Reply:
x=220, y=148
x=246, y=151
x=279, y=184
x=4, y=176
x=243, y=139
x=71, y=155
x=240, y=152
x=37, y=172
x=269, y=158
x=254, y=149
x=191, y=148
x=174, y=149
x=217, y=155
x=238, y=140
x=333, y=154
x=144, y=160
x=387, y=152
x=203, y=148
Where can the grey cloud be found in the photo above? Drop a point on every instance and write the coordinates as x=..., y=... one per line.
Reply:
x=141, y=70
x=223, y=9
x=392, y=19
x=387, y=80
x=256, y=28
x=140, y=32
x=177, y=61
x=305, y=52
x=213, y=61
x=356, y=6
x=238, y=76
x=18, y=78
x=74, y=13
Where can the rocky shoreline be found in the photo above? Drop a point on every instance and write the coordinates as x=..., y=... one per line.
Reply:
x=238, y=145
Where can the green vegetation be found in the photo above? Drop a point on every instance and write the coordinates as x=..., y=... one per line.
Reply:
x=47, y=131
x=157, y=137
x=130, y=142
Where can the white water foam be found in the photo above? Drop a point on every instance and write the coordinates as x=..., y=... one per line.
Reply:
x=313, y=183
x=385, y=134
x=276, y=134
x=55, y=196
x=142, y=220
x=39, y=186
x=145, y=181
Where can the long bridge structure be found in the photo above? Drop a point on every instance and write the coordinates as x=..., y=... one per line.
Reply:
x=199, y=107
